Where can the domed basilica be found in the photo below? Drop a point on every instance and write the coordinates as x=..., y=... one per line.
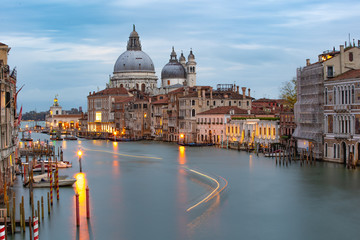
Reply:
x=134, y=69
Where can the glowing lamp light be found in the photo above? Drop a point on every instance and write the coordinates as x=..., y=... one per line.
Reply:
x=181, y=135
x=115, y=133
x=79, y=153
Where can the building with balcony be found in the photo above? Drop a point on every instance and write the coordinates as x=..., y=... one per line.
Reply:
x=8, y=119
x=311, y=95
x=342, y=118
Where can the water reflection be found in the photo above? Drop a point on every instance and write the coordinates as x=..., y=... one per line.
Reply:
x=80, y=188
x=115, y=146
x=182, y=156
x=115, y=168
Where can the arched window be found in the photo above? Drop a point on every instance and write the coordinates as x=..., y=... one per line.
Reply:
x=143, y=87
x=193, y=113
x=352, y=94
x=346, y=95
x=137, y=86
x=351, y=56
x=334, y=150
x=121, y=85
x=334, y=95
x=193, y=102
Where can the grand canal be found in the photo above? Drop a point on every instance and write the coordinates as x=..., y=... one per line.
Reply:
x=155, y=190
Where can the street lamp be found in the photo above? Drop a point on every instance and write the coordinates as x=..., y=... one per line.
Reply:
x=79, y=154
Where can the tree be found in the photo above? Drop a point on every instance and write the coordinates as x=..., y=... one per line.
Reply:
x=288, y=92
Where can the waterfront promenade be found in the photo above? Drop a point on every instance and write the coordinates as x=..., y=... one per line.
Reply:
x=142, y=190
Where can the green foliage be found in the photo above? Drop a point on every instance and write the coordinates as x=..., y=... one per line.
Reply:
x=288, y=92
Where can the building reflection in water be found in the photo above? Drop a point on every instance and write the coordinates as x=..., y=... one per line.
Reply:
x=80, y=188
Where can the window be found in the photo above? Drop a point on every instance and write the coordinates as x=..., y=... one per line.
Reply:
x=193, y=113
x=351, y=56
x=330, y=71
x=247, y=103
x=352, y=94
x=239, y=103
x=208, y=103
x=214, y=103
x=334, y=151
x=229, y=103
x=334, y=95
x=168, y=82
x=193, y=102
x=326, y=96
x=98, y=117
x=325, y=150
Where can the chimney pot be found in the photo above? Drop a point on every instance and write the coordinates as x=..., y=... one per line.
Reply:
x=307, y=62
x=243, y=91
x=249, y=92
x=237, y=89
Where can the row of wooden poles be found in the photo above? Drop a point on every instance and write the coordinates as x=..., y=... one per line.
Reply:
x=35, y=213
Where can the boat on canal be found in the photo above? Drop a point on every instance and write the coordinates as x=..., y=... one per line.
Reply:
x=193, y=144
x=43, y=181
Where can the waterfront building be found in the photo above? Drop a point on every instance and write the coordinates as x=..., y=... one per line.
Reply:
x=8, y=119
x=159, y=126
x=120, y=107
x=202, y=98
x=256, y=128
x=58, y=119
x=100, y=114
x=287, y=127
x=309, y=108
x=342, y=118
x=211, y=124
x=138, y=119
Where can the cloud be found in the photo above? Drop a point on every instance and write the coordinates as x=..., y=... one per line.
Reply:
x=45, y=49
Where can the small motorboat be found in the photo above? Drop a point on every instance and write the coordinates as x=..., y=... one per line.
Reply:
x=43, y=181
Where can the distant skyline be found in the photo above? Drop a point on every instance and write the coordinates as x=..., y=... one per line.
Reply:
x=69, y=47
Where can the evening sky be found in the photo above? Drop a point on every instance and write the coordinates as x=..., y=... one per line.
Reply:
x=69, y=47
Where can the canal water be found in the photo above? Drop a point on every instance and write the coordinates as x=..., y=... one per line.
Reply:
x=155, y=190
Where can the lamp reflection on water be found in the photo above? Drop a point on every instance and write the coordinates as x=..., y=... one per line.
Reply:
x=182, y=156
x=80, y=188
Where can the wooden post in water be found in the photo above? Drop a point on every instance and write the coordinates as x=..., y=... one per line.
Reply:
x=38, y=210
x=51, y=186
x=30, y=228
x=42, y=207
x=48, y=203
x=87, y=202
x=77, y=209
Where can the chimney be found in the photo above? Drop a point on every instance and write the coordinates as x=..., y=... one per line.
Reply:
x=89, y=93
x=248, y=92
x=342, y=59
x=203, y=93
x=211, y=92
x=307, y=62
x=237, y=89
x=199, y=92
x=243, y=91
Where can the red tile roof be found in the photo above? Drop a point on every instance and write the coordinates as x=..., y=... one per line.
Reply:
x=224, y=110
x=347, y=75
x=161, y=101
x=112, y=91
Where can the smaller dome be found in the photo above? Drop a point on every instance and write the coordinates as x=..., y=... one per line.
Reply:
x=182, y=58
x=191, y=55
x=173, y=70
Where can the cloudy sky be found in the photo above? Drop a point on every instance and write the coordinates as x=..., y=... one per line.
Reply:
x=69, y=47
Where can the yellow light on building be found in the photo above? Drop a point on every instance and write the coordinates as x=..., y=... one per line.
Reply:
x=181, y=135
x=98, y=117
x=145, y=115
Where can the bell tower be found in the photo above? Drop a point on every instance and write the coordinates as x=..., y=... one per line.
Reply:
x=191, y=70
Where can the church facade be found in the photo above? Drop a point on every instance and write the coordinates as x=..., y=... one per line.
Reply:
x=134, y=69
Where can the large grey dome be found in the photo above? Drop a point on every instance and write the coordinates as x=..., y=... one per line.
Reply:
x=173, y=70
x=134, y=61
